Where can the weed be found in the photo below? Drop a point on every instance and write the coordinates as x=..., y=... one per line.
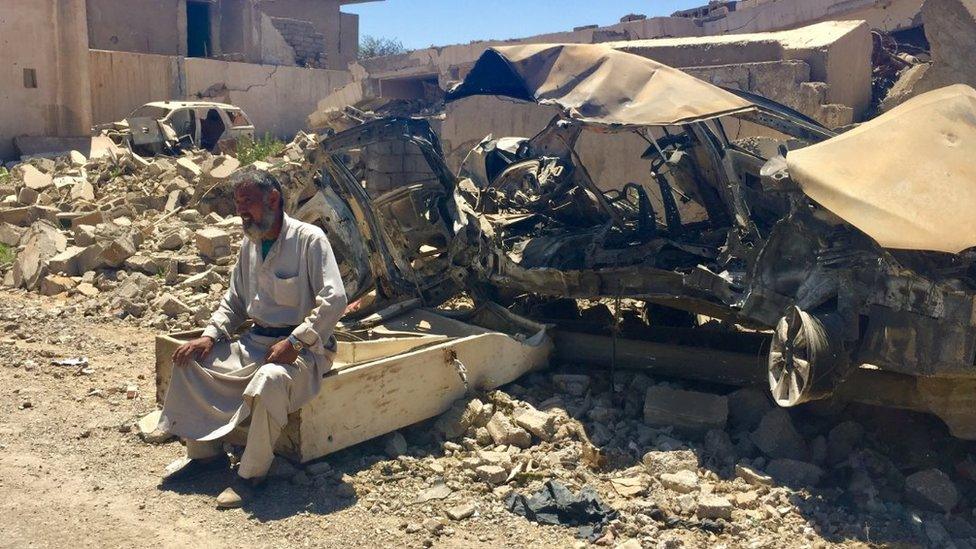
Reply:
x=7, y=255
x=249, y=150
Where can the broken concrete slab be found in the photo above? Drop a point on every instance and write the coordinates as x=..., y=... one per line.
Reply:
x=714, y=507
x=503, y=431
x=55, y=284
x=778, y=438
x=172, y=306
x=188, y=169
x=33, y=178
x=689, y=412
x=538, y=423
x=932, y=489
x=794, y=473
x=683, y=482
x=660, y=462
x=66, y=262
x=42, y=242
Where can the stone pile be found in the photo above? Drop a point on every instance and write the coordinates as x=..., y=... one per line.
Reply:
x=153, y=240
x=732, y=470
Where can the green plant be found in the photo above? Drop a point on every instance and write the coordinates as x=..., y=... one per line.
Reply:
x=4, y=175
x=7, y=255
x=250, y=150
x=370, y=46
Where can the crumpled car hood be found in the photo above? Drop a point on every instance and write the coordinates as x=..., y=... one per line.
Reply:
x=907, y=178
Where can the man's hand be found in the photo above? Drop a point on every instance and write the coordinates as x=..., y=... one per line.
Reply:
x=281, y=353
x=197, y=348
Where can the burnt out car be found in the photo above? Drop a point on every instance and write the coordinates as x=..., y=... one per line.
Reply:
x=167, y=127
x=846, y=263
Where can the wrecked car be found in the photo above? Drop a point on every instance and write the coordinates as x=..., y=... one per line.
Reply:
x=856, y=256
x=847, y=311
x=167, y=127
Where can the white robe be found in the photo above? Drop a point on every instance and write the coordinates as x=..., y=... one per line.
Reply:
x=298, y=284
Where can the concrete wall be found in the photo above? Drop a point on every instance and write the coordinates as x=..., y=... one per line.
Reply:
x=49, y=37
x=348, y=38
x=839, y=54
x=444, y=61
x=140, y=26
x=277, y=99
x=122, y=81
x=887, y=15
x=324, y=14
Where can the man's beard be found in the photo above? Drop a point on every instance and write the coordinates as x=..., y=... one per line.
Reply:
x=254, y=230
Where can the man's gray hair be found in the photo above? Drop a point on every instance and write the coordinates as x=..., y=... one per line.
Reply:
x=260, y=179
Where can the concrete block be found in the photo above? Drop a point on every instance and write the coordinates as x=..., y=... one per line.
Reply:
x=778, y=438
x=55, y=284
x=492, y=474
x=188, y=169
x=10, y=235
x=794, y=472
x=538, y=423
x=27, y=196
x=503, y=431
x=213, y=243
x=931, y=489
x=683, y=482
x=33, y=178
x=690, y=412
x=115, y=252
x=714, y=507
x=172, y=306
x=66, y=262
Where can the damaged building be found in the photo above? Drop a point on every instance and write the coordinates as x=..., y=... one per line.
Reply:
x=101, y=59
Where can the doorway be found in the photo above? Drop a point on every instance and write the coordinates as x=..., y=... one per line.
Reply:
x=198, y=42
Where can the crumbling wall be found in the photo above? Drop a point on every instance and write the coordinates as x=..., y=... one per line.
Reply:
x=307, y=43
x=950, y=27
x=838, y=53
x=122, y=81
x=765, y=15
x=44, y=89
x=276, y=98
x=139, y=26
x=323, y=14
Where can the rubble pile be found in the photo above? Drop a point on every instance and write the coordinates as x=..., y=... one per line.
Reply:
x=576, y=452
x=151, y=240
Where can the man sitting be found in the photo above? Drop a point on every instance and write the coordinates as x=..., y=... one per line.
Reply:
x=287, y=281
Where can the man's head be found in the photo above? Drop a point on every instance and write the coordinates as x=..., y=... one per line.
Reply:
x=259, y=202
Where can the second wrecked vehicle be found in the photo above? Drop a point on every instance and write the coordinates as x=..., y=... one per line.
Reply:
x=858, y=270
x=167, y=127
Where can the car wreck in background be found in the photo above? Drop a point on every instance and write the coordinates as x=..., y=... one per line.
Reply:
x=167, y=127
x=842, y=262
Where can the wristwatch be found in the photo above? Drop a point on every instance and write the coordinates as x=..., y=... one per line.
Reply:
x=296, y=343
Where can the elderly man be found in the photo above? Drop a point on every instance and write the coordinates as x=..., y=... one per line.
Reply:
x=286, y=280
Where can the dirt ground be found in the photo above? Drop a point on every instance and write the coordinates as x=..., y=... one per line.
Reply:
x=74, y=472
